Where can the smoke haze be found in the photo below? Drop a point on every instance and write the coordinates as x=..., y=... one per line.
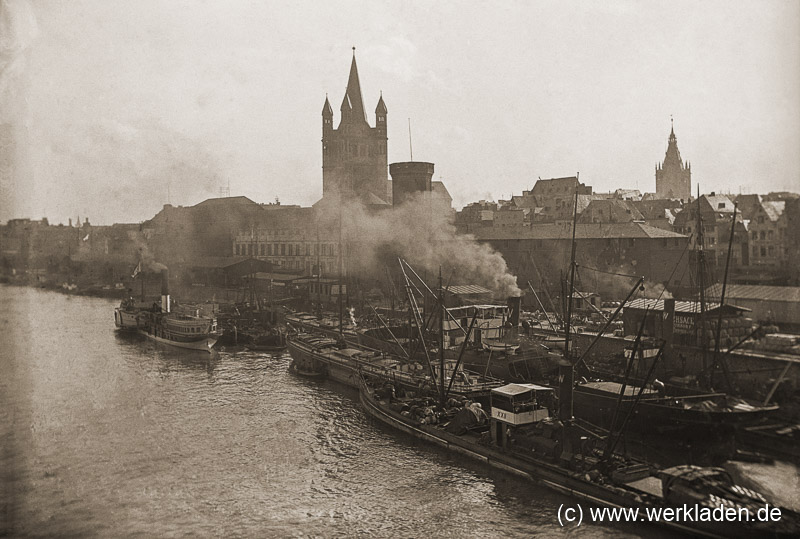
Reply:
x=421, y=233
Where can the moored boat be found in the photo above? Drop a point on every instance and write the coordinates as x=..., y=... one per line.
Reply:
x=343, y=361
x=191, y=331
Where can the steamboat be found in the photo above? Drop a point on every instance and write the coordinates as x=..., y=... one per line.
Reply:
x=157, y=322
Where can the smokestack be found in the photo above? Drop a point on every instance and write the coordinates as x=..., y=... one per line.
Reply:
x=165, y=291
x=514, y=303
x=566, y=379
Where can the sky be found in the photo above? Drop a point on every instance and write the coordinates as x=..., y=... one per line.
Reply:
x=110, y=109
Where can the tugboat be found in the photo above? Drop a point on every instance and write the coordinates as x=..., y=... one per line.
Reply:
x=157, y=322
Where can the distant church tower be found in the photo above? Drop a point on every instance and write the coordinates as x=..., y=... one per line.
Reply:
x=354, y=160
x=673, y=177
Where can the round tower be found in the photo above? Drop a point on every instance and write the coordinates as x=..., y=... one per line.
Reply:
x=410, y=178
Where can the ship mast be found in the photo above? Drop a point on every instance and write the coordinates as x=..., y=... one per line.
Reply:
x=566, y=370
x=701, y=260
x=341, y=276
x=721, y=303
x=441, y=340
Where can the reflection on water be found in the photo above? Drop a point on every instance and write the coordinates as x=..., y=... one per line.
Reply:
x=111, y=434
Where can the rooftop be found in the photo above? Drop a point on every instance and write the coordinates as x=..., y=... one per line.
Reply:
x=583, y=231
x=758, y=292
x=680, y=306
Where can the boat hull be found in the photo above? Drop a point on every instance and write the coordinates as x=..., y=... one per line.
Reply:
x=126, y=320
x=655, y=415
x=205, y=344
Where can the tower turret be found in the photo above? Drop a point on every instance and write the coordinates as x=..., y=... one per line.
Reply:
x=380, y=115
x=327, y=131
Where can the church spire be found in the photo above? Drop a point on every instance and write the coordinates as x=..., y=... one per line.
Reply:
x=353, y=101
x=327, y=110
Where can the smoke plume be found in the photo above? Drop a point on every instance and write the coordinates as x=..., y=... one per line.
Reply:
x=421, y=232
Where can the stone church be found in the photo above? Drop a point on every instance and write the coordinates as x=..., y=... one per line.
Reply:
x=354, y=158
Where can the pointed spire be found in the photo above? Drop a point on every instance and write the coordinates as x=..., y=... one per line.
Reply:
x=381, y=108
x=327, y=110
x=672, y=158
x=353, y=101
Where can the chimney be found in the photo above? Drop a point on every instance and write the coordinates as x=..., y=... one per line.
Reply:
x=165, y=291
x=514, y=303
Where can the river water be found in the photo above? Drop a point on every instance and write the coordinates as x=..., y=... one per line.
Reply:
x=106, y=434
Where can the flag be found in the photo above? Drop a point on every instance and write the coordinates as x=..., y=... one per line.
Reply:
x=86, y=238
x=137, y=270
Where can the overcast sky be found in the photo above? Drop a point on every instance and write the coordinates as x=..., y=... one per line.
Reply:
x=116, y=107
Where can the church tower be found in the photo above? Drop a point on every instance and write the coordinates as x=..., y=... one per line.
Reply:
x=673, y=177
x=354, y=159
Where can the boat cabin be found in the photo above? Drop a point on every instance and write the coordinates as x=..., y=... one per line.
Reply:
x=521, y=404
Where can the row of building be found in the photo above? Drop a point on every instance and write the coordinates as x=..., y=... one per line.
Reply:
x=620, y=233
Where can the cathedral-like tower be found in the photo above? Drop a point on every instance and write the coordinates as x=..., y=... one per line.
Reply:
x=673, y=177
x=354, y=159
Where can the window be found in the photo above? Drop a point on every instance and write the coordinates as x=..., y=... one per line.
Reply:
x=291, y=249
x=763, y=251
x=769, y=234
x=762, y=235
x=249, y=249
x=283, y=249
x=269, y=249
x=263, y=249
x=771, y=250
